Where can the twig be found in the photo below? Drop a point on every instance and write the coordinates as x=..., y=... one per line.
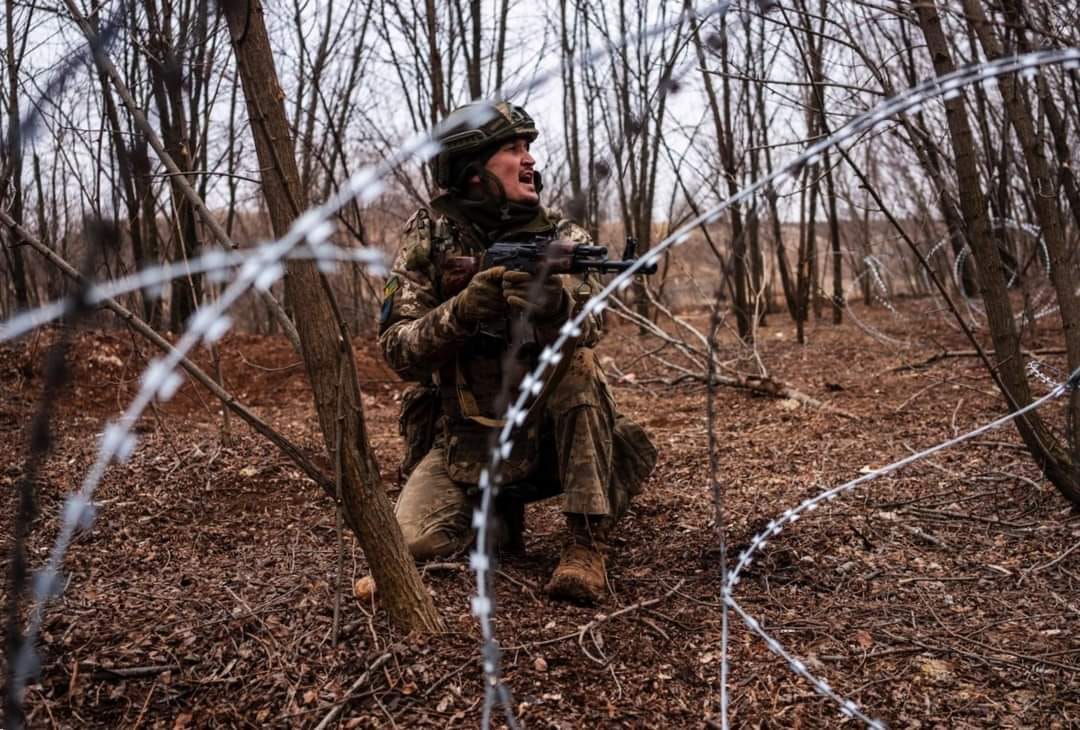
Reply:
x=291, y=450
x=265, y=369
x=1053, y=562
x=603, y=618
x=778, y=389
x=956, y=410
x=253, y=615
x=146, y=703
x=903, y=405
x=338, y=706
x=922, y=535
x=922, y=511
x=337, y=495
x=442, y=680
x=133, y=672
x=462, y=567
x=998, y=649
x=967, y=353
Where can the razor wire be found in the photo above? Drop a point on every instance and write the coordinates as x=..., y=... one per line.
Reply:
x=869, y=329
x=216, y=263
x=260, y=269
x=947, y=87
x=876, y=271
x=1037, y=369
x=1041, y=304
x=160, y=382
x=775, y=526
x=965, y=253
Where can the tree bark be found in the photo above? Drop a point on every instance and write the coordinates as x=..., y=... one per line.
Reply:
x=323, y=336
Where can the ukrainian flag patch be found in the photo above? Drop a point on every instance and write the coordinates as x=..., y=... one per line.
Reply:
x=392, y=285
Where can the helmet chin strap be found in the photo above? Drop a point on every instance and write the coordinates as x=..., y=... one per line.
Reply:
x=495, y=189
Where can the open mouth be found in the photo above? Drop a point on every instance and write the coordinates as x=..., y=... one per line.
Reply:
x=526, y=177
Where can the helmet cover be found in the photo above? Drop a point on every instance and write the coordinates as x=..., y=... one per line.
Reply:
x=473, y=133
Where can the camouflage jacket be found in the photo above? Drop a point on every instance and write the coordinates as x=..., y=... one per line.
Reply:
x=422, y=339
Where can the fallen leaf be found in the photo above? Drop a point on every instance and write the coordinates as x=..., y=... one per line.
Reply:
x=364, y=589
x=864, y=639
x=936, y=670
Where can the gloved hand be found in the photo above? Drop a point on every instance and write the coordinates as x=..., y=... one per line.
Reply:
x=548, y=300
x=482, y=300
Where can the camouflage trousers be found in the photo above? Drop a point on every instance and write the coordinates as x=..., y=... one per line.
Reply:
x=596, y=458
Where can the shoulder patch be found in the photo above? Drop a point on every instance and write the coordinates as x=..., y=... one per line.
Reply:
x=391, y=288
x=392, y=285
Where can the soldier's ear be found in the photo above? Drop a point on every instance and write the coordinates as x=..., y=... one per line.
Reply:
x=538, y=181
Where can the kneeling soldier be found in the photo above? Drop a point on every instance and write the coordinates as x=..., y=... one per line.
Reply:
x=451, y=333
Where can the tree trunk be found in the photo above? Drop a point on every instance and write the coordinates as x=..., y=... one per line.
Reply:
x=323, y=336
x=14, y=159
x=1048, y=212
x=725, y=142
x=834, y=239
x=1055, y=462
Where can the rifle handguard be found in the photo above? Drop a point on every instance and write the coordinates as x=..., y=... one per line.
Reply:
x=556, y=256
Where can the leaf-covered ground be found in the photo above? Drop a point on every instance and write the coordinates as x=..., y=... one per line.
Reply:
x=943, y=596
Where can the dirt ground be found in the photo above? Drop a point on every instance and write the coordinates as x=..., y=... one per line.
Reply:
x=943, y=596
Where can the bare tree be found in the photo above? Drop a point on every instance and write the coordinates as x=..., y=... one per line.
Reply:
x=324, y=335
x=1058, y=465
x=11, y=191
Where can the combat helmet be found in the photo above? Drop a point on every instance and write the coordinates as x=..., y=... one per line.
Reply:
x=472, y=133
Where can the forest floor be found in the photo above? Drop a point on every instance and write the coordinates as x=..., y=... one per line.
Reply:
x=945, y=595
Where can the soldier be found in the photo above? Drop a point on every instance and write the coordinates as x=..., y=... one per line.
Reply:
x=452, y=335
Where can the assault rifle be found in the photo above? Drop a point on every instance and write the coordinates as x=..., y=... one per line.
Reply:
x=553, y=255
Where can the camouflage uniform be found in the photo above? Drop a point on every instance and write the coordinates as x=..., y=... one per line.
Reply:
x=575, y=443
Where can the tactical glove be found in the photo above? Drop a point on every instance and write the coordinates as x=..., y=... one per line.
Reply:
x=482, y=300
x=545, y=300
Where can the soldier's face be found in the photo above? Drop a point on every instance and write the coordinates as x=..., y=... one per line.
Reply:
x=513, y=165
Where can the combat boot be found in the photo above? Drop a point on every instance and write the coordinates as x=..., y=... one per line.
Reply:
x=580, y=575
